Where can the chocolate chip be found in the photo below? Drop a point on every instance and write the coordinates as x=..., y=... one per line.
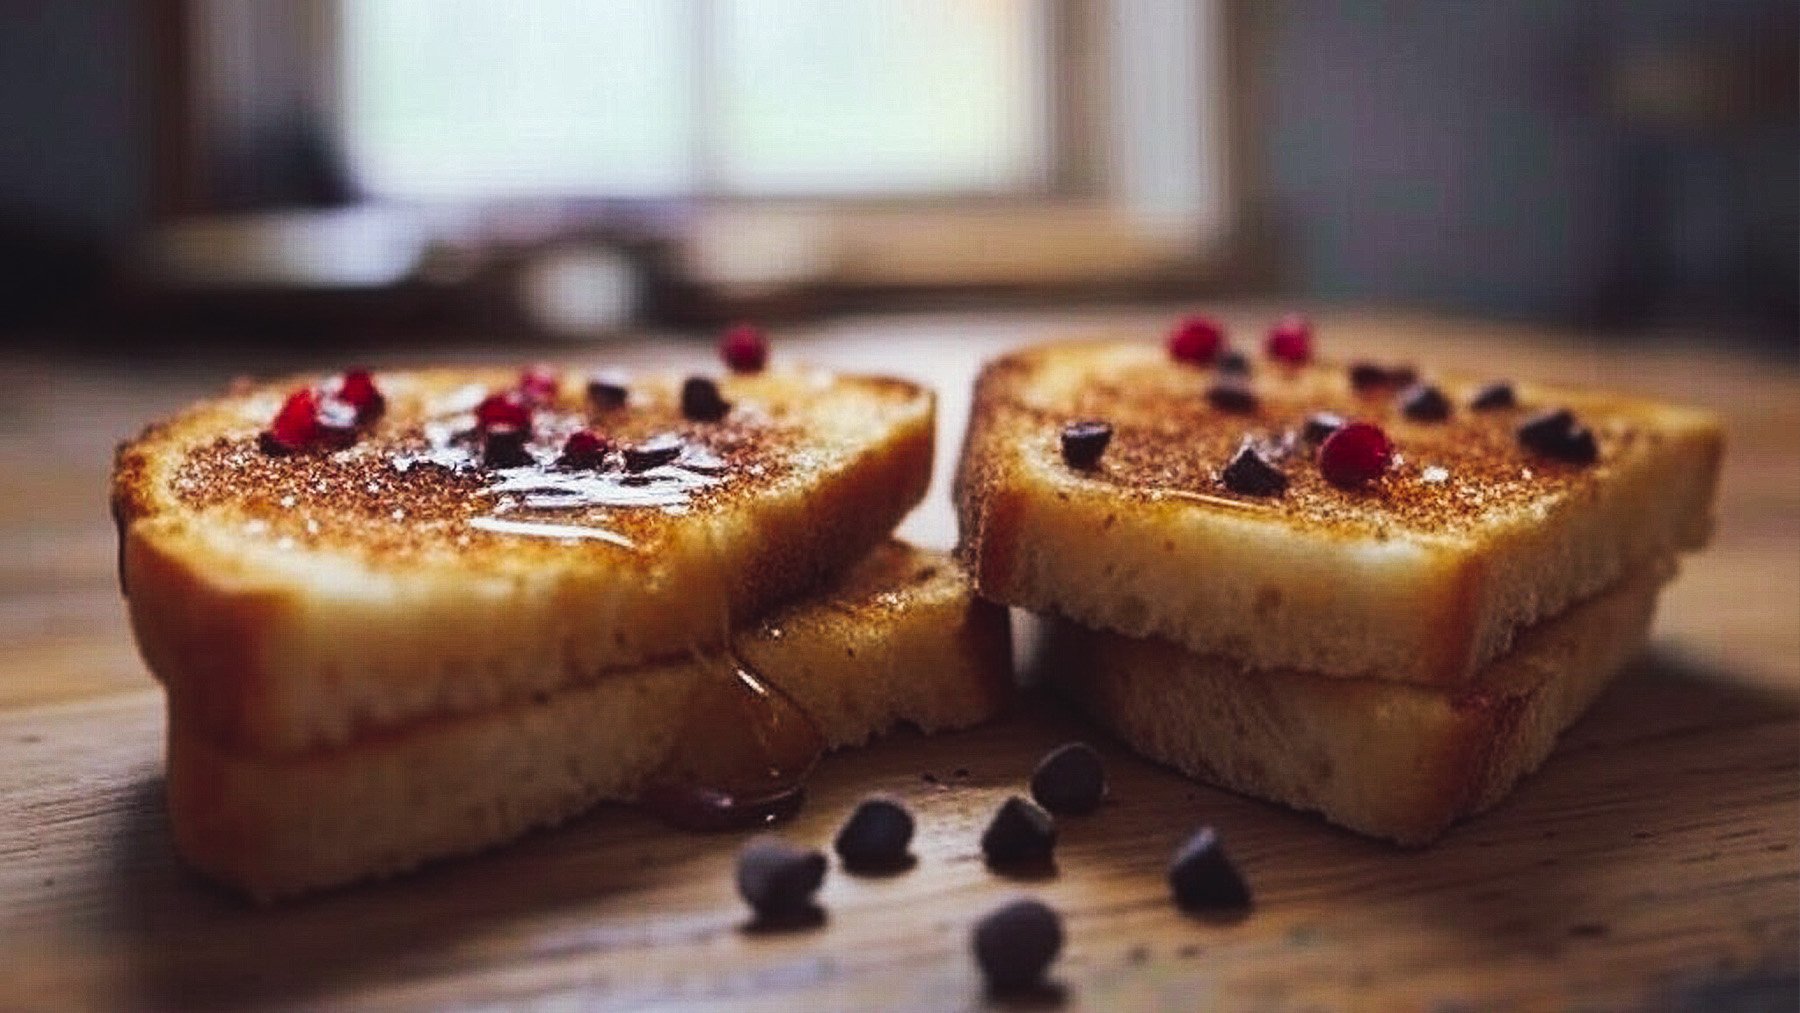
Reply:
x=504, y=447
x=1230, y=394
x=1084, y=442
x=701, y=400
x=778, y=879
x=608, y=390
x=1016, y=943
x=1070, y=779
x=1250, y=473
x=658, y=450
x=1202, y=878
x=1556, y=434
x=1494, y=396
x=1234, y=362
x=1367, y=376
x=1319, y=425
x=876, y=835
x=1424, y=403
x=1020, y=833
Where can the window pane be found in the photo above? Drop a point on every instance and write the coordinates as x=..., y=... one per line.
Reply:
x=871, y=97
x=471, y=98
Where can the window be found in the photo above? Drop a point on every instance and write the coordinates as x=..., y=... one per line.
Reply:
x=464, y=99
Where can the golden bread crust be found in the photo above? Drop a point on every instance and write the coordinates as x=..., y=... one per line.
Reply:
x=1387, y=759
x=899, y=639
x=295, y=601
x=1423, y=577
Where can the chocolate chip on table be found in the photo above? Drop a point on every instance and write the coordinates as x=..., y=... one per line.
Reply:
x=1020, y=833
x=1084, y=442
x=653, y=452
x=778, y=879
x=1424, y=403
x=1234, y=362
x=1016, y=943
x=1556, y=434
x=1251, y=473
x=876, y=835
x=1202, y=877
x=1319, y=425
x=1070, y=779
x=701, y=400
x=1494, y=396
x=608, y=390
x=1230, y=394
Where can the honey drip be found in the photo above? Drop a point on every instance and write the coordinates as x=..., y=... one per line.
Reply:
x=740, y=758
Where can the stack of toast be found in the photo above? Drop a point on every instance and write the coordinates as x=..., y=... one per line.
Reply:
x=417, y=614
x=1348, y=588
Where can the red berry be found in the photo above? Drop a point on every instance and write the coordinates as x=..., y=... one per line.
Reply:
x=744, y=349
x=1196, y=340
x=1354, y=454
x=296, y=425
x=538, y=384
x=357, y=389
x=584, y=449
x=1290, y=340
x=507, y=408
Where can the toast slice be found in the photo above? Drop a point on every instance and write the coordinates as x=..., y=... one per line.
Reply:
x=1387, y=759
x=900, y=639
x=1423, y=576
x=290, y=601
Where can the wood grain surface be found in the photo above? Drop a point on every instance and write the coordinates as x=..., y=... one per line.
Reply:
x=1653, y=862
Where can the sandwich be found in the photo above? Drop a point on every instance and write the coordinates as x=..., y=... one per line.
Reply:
x=1350, y=587
x=415, y=613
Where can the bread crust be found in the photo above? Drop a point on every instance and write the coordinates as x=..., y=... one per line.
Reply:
x=1417, y=579
x=900, y=639
x=275, y=641
x=1387, y=759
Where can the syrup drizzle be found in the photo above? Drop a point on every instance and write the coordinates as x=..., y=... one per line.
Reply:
x=744, y=748
x=741, y=756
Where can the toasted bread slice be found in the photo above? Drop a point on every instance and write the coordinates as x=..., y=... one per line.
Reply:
x=293, y=601
x=1423, y=576
x=1386, y=759
x=899, y=639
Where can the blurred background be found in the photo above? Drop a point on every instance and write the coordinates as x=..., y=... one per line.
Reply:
x=291, y=171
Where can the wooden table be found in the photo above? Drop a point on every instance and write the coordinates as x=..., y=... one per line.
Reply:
x=1652, y=862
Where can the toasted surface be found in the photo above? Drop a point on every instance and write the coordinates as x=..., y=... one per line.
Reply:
x=899, y=639
x=1386, y=759
x=1421, y=577
x=289, y=602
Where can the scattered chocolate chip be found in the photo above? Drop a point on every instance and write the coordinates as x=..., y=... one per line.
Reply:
x=1494, y=396
x=960, y=772
x=1230, y=394
x=1016, y=943
x=1069, y=779
x=1319, y=425
x=1021, y=832
x=1234, y=363
x=1367, y=376
x=928, y=777
x=1250, y=473
x=1424, y=403
x=778, y=879
x=658, y=450
x=701, y=400
x=503, y=446
x=1556, y=434
x=608, y=390
x=1202, y=878
x=1084, y=442
x=876, y=835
